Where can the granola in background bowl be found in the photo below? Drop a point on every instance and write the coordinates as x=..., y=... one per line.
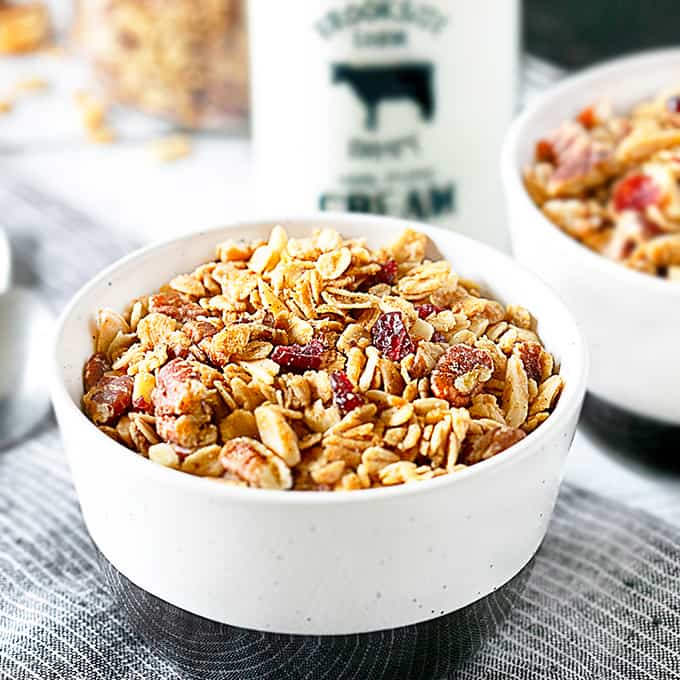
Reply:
x=319, y=364
x=610, y=181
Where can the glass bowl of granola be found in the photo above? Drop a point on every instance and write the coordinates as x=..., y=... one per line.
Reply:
x=318, y=438
x=591, y=180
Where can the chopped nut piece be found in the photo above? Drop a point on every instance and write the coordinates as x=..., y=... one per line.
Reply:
x=492, y=443
x=461, y=373
x=94, y=117
x=95, y=368
x=171, y=148
x=255, y=463
x=109, y=399
x=307, y=364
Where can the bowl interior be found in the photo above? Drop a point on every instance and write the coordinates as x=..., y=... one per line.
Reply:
x=143, y=272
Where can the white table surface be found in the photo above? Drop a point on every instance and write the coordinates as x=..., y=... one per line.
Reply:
x=123, y=187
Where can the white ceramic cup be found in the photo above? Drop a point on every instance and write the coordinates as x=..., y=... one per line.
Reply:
x=631, y=320
x=305, y=562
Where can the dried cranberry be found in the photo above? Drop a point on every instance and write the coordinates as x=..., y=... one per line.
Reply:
x=428, y=308
x=300, y=357
x=438, y=337
x=346, y=399
x=587, y=117
x=389, y=335
x=636, y=192
x=545, y=152
x=673, y=104
x=387, y=273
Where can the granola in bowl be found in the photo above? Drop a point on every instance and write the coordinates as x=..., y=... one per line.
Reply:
x=319, y=364
x=611, y=181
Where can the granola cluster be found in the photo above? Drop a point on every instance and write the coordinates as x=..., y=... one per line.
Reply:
x=612, y=182
x=319, y=364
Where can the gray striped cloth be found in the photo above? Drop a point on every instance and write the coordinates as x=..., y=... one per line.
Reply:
x=602, y=599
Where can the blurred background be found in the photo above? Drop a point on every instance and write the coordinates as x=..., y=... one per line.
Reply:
x=575, y=34
x=78, y=78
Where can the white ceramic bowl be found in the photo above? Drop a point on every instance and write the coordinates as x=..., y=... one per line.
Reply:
x=631, y=320
x=306, y=563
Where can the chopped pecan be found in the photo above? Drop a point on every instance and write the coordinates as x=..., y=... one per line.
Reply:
x=178, y=389
x=109, y=399
x=199, y=330
x=253, y=462
x=531, y=354
x=175, y=306
x=94, y=370
x=461, y=373
x=491, y=443
x=580, y=162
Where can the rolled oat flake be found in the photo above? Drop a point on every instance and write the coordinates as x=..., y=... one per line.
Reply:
x=384, y=106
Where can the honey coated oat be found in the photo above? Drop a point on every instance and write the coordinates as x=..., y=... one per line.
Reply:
x=319, y=364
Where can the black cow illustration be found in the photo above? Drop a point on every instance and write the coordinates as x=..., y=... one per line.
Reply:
x=373, y=84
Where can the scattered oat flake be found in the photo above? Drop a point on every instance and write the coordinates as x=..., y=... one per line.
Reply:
x=285, y=373
x=34, y=84
x=171, y=148
x=94, y=117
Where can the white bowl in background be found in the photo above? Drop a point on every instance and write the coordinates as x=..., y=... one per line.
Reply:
x=316, y=565
x=631, y=320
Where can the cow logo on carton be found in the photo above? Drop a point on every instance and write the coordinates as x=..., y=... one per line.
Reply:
x=375, y=84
